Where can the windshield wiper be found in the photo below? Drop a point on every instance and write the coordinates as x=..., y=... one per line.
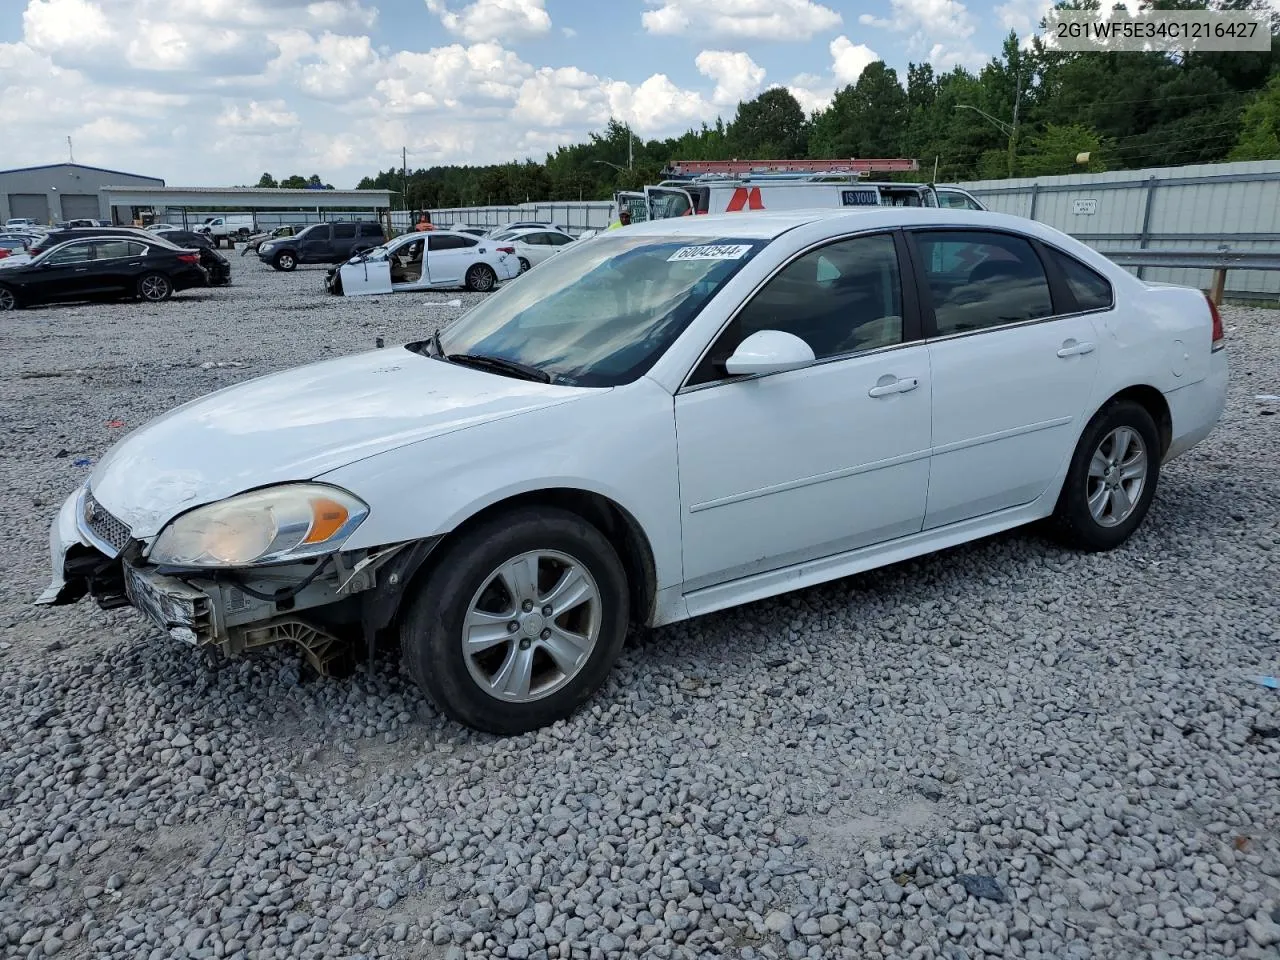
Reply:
x=501, y=364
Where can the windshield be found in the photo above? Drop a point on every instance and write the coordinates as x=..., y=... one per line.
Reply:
x=600, y=314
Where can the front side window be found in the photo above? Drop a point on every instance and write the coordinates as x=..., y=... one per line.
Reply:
x=75, y=253
x=601, y=314
x=1091, y=290
x=842, y=298
x=559, y=239
x=978, y=280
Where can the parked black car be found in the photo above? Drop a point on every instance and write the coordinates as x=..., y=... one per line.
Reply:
x=332, y=242
x=215, y=264
x=102, y=268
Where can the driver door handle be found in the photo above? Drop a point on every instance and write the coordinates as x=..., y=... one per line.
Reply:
x=889, y=385
x=1073, y=348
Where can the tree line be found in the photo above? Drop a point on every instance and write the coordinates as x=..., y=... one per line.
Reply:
x=1028, y=112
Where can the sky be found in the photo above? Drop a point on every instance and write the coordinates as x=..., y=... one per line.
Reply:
x=214, y=92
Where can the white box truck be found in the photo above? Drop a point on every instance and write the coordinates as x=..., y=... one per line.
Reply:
x=230, y=227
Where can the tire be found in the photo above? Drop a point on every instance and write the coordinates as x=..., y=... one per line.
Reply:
x=155, y=288
x=524, y=265
x=481, y=278
x=284, y=260
x=1101, y=505
x=467, y=577
x=8, y=300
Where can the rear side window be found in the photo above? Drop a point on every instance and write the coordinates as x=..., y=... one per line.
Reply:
x=978, y=280
x=370, y=230
x=955, y=200
x=344, y=231
x=446, y=242
x=1091, y=289
x=117, y=249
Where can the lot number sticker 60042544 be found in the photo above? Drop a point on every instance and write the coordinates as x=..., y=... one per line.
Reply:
x=719, y=251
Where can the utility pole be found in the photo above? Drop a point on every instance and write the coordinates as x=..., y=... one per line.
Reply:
x=630, y=149
x=71, y=157
x=404, y=174
x=1017, y=101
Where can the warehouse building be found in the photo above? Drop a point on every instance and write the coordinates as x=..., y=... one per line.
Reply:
x=62, y=191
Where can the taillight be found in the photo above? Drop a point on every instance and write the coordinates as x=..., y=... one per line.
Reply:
x=4, y=252
x=1219, y=336
x=189, y=257
x=506, y=249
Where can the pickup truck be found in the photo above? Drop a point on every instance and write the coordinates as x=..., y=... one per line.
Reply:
x=230, y=228
x=332, y=242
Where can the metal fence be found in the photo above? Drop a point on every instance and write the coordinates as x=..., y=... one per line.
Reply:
x=1206, y=207
x=574, y=217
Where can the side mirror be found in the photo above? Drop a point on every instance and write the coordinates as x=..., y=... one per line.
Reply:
x=769, y=351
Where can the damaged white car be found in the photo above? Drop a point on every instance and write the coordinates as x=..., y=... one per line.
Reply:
x=426, y=260
x=671, y=419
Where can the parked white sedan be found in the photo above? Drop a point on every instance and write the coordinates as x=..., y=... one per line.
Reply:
x=668, y=420
x=426, y=260
x=533, y=245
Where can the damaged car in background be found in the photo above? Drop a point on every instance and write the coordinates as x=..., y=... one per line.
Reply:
x=425, y=261
x=669, y=420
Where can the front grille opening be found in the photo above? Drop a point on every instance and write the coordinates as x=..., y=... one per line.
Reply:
x=103, y=525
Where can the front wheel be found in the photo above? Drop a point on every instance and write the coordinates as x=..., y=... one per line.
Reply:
x=518, y=622
x=524, y=265
x=1112, y=478
x=155, y=287
x=480, y=278
x=285, y=261
x=8, y=300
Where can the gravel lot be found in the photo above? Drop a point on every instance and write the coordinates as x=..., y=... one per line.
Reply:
x=1002, y=750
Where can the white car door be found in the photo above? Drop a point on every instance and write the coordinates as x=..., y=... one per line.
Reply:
x=448, y=257
x=365, y=277
x=788, y=467
x=1014, y=363
x=535, y=247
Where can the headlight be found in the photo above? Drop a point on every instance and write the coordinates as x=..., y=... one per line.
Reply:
x=267, y=245
x=277, y=524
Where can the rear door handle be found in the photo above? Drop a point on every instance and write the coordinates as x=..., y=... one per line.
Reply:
x=1072, y=348
x=889, y=384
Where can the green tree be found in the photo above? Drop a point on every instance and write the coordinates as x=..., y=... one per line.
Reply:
x=267, y=181
x=866, y=119
x=1260, y=126
x=770, y=127
x=295, y=182
x=1053, y=151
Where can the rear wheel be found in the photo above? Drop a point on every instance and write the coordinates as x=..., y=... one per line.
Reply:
x=481, y=278
x=519, y=621
x=155, y=287
x=8, y=300
x=285, y=261
x=1112, y=478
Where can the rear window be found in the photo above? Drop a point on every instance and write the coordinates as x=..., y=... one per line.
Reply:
x=1091, y=290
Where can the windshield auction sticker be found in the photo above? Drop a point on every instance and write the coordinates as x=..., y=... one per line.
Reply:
x=719, y=251
x=1171, y=31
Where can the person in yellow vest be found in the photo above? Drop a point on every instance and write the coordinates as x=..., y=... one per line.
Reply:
x=624, y=218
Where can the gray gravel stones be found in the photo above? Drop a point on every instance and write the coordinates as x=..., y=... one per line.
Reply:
x=810, y=776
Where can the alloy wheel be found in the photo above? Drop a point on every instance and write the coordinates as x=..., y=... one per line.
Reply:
x=532, y=625
x=1117, y=474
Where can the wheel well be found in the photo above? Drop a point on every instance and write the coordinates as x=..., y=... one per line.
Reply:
x=619, y=527
x=1156, y=405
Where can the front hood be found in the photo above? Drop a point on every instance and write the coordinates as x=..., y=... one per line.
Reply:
x=297, y=425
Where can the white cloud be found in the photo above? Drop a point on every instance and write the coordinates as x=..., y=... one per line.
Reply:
x=452, y=76
x=569, y=32
x=258, y=119
x=744, y=19
x=812, y=91
x=939, y=29
x=494, y=19
x=107, y=131
x=1023, y=16
x=849, y=59
x=737, y=76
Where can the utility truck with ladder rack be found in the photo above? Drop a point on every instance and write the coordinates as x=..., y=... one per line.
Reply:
x=728, y=186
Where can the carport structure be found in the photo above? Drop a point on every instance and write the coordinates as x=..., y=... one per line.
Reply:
x=127, y=202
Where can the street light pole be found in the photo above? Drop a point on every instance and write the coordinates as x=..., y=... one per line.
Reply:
x=1009, y=130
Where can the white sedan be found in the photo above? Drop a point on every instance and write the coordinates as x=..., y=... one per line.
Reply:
x=534, y=245
x=668, y=420
x=426, y=260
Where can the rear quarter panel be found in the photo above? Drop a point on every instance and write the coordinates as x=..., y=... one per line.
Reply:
x=1159, y=336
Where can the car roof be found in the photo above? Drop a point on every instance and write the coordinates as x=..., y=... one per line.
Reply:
x=768, y=224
